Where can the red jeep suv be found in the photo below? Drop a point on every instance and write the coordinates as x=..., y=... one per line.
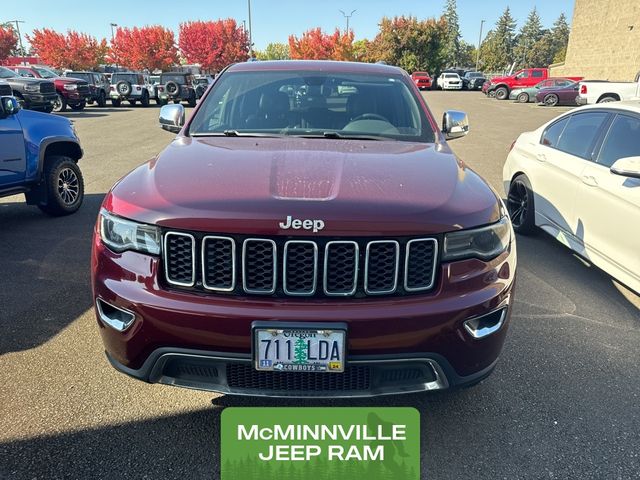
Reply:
x=307, y=233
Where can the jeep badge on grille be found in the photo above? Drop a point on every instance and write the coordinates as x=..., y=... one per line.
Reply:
x=297, y=224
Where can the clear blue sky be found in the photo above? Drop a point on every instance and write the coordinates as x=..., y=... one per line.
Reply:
x=273, y=20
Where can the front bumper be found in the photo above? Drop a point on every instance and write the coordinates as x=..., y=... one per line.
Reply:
x=202, y=340
x=39, y=100
x=448, y=86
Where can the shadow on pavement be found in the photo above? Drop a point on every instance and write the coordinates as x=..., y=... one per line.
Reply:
x=45, y=281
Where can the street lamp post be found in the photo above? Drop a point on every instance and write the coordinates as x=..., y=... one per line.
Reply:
x=250, y=31
x=112, y=38
x=347, y=17
x=18, y=22
x=479, y=43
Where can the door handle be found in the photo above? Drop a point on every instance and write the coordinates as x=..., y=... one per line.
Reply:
x=541, y=157
x=590, y=180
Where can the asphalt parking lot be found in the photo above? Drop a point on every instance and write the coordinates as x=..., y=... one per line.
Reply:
x=563, y=402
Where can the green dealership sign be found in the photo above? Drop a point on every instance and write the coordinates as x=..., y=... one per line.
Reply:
x=320, y=443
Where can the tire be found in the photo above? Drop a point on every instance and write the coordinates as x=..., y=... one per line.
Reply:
x=132, y=101
x=144, y=101
x=124, y=88
x=60, y=105
x=48, y=109
x=78, y=106
x=502, y=93
x=64, y=186
x=491, y=94
x=520, y=205
x=102, y=100
x=116, y=102
x=523, y=98
x=607, y=99
x=550, y=100
x=172, y=88
x=161, y=102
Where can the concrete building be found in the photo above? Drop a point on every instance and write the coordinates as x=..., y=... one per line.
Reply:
x=605, y=41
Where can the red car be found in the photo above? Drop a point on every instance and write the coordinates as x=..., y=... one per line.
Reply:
x=307, y=233
x=422, y=80
x=71, y=92
x=501, y=87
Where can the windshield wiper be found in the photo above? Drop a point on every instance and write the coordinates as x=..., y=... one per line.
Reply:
x=235, y=133
x=342, y=136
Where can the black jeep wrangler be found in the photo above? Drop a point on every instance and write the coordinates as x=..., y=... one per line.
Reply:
x=176, y=86
x=98, y=86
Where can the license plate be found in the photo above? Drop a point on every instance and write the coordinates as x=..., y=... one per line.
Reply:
x=291, y=349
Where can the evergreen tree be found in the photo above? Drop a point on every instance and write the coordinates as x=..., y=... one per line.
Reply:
x=300, y=352
x=452, y=45
x=530, y=34
x=497, y=48
x=560, y=34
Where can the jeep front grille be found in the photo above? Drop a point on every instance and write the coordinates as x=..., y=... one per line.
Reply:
x=83, y=88
x=286, y=266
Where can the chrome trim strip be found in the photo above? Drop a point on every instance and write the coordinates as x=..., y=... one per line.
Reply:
x=233, y=263
x=315, y=268
x=193, y=259
x=471, y=324
x=244, y=266
x=355, y=270
x=366, y=269
x=433, y=270
x=118, y=325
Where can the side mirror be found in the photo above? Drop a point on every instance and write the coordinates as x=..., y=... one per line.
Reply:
x=627, y=167
x=8, y=106
x=455, y=124
x=172, y=118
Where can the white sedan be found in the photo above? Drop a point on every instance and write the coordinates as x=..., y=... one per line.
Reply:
x=449, y=81
x=578, y=178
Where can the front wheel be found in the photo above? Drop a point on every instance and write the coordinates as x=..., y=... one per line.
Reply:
x=144, y=101
x=520, y=205
x=116, y=102
x=551, y=100
x=502, y=93
x=523, y=98
x=59, y=104
x=64, y=185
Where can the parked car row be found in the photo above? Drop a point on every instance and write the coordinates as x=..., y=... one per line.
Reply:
x=41, y=88
x=450, y=79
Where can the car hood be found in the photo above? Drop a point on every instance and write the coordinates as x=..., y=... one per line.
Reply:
x=499, y=79
x=26, y=80
x=249, y=185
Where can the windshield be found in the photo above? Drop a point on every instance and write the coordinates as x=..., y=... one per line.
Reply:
x=420, y=74
x=451, y=75
x=179, y=79
x=6, y=73
x=81, y=76
x=313, y=103
x=45, y=72
x=473, y=74
x=126, y=77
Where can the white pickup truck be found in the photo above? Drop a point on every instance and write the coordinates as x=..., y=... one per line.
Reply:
x=599, y=91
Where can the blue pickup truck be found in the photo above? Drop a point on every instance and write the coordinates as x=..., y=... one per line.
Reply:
x=39, y=155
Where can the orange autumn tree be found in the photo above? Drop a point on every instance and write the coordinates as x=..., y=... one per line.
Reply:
x=315, y=44
x=75, y=50
x=213, y=45
x=8, y=41
x=151, y=47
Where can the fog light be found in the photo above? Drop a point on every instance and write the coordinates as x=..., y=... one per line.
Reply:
x=485, y=325
x=117, y=318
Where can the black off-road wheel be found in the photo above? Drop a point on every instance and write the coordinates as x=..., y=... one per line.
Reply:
x=102, y=100
x=78, y=106
x=116, y=102
x=64, y=186
x=60, y=104
x=144, y=101
x=520, y=205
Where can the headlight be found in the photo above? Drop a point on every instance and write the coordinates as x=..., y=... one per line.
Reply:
x=70, y=86
x=32, y=88
x=120, y=234
x=484, y=243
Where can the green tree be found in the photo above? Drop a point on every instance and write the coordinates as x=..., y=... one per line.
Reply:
x=274, y=51
x=467, y=54
x=300, y=352
x=453, y=43
x=360, y=50
x=530, y=33
x=496, y=51
x=560, y=34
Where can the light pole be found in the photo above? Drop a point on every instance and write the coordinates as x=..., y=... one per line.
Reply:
x=479, y=43
x=112, y=38
x=347, y=17
x=250, y=31
x=18, y=22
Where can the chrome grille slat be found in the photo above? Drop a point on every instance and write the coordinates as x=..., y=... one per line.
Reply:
x=259, y=272
x=218, y=263
x=180, y=259
x=420, y=275
x=338, y=267
x=381, y=265
x=311, y=267
x=299, y=255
